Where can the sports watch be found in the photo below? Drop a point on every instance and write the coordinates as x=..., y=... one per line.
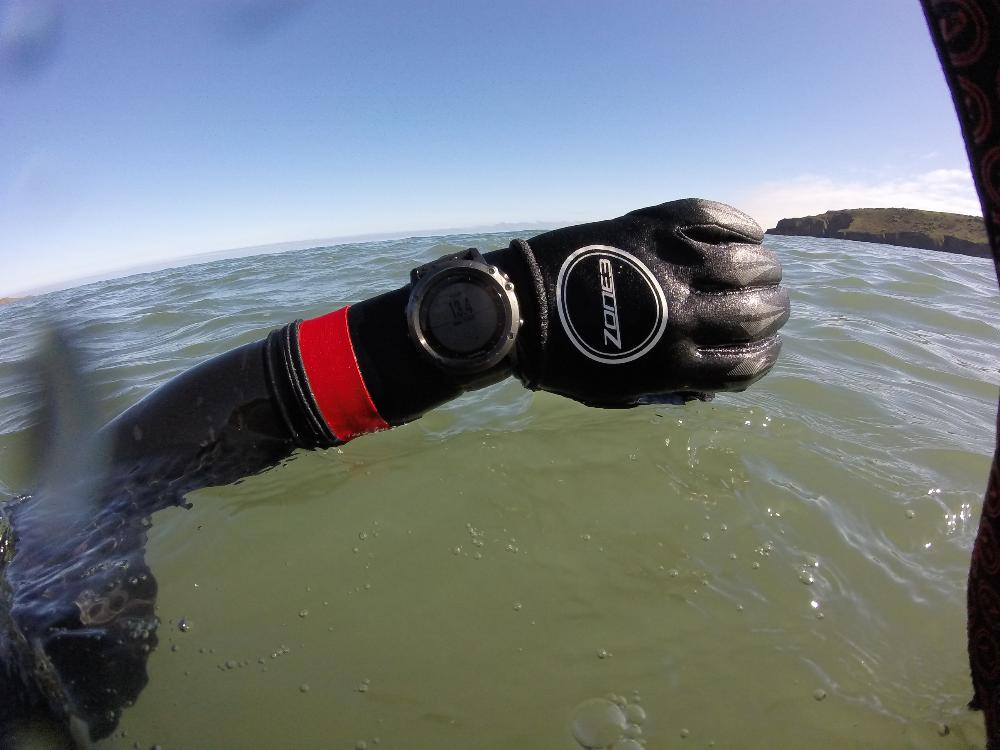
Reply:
x=463, y=313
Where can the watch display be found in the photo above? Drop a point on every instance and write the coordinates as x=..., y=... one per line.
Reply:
x=463, y=312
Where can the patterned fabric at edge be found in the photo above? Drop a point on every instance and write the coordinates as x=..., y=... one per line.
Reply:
x=966, y=34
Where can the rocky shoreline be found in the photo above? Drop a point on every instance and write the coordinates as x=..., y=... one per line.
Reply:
x=905, y=227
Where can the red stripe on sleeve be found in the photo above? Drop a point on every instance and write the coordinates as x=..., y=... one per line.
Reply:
x=335, y=378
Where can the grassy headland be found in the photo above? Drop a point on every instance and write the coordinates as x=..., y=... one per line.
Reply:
x=908, y=227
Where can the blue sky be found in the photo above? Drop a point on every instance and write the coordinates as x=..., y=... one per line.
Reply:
x=137, y=132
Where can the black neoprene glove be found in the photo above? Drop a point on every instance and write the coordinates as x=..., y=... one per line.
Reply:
x=663, y=304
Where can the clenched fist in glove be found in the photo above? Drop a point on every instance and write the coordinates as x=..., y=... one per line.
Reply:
x=679, y=298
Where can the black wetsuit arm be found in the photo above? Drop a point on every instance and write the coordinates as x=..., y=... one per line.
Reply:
x=234, y=415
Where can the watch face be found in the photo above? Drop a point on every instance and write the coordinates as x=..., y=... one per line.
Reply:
x=463, y=316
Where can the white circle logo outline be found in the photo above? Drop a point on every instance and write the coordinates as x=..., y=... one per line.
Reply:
x=567, y=323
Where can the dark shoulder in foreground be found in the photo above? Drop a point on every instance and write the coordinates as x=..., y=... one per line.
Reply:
x=907, y=227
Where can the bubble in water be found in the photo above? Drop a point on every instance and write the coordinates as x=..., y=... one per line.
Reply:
x=303, y=688
x=806, y=577
x=635, y=713
x=819, y=694
x=911, y=513
x=603, y=653
x=183, y=625
x=597, y=723
x=303, y=613
x=517, y=606
x=627, y=744
x=685, y=733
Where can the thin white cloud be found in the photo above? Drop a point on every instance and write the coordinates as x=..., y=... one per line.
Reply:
x=937, y=190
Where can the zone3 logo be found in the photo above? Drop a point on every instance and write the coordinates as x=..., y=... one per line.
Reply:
x=610, y=305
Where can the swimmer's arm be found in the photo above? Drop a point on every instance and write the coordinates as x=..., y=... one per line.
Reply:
x=321, y=382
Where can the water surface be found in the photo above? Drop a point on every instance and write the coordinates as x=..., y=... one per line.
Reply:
x=779, y=568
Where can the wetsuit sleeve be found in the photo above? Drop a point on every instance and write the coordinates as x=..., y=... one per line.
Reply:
x=314, y=383
x=213, y=424
x=231, y=416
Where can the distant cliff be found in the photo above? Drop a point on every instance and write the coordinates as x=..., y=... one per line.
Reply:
x=908, y=227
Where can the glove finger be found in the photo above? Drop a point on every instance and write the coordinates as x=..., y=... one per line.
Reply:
x=722, y=318
x=704, y=220
x=734, y=368
x=734, y=266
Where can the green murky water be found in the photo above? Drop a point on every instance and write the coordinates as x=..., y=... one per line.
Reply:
x=779, y=568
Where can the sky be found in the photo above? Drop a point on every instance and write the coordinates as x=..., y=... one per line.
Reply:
x=140, y=132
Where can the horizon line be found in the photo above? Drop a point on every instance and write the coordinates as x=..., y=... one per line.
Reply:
x=245, y=251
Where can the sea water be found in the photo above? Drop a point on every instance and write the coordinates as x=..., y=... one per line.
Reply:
x=783, y=567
